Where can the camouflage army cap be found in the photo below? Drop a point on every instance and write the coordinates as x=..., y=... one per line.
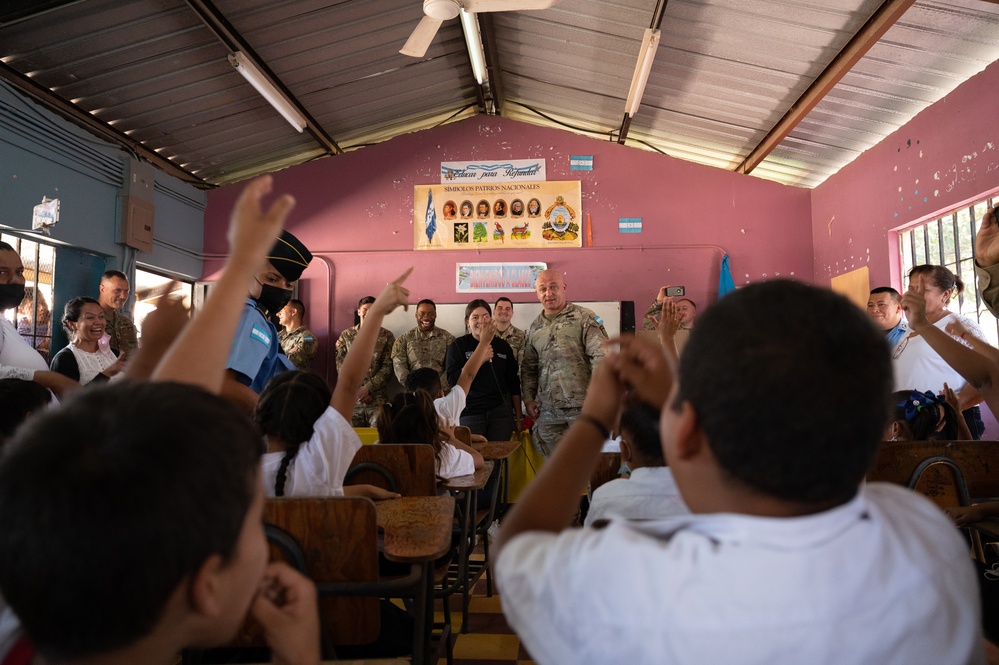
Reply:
x=289, y=256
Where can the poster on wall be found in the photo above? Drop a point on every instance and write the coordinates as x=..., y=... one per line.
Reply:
x=507, y=170
x=520, y=215
x=482, y=277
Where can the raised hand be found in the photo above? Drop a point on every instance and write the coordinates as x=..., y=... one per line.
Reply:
x=956, y=329
x=252, y=229
x=965, y=515
x=486, y=333
x=987, y=240
x=645, y=367
x=162, y=325
x=669, y=322
x=914, y=306
x=951, y=398
x=393, y=295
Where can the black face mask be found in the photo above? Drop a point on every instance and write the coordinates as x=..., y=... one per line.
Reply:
x=272, y=298
x=11, y=296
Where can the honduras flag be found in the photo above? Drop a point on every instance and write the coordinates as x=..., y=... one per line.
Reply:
x=431, y=218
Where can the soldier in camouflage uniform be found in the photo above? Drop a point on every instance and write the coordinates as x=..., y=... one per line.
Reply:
x=423, y=346
x=563, y=346
x=506, y=331
x=374, y=391
x=113, y=294
x=297, y=341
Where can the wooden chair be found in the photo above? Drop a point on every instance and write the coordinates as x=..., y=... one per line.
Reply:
x=407, y=468
x=339, y=539
x=463, y=434
x=941, y=480
x=976, y=461
x=606, y=471
x=336, y=541
x=949, y=473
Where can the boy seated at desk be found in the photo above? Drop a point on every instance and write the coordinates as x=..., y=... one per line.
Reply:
x=131, y=517
x=787, y=557
x=650, y=491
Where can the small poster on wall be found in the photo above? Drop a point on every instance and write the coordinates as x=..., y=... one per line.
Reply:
x=480, y=277
x=518, y=215
x=507, y=170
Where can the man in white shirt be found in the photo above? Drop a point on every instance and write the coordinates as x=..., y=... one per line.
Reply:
x=17, y=359
x=787, y=557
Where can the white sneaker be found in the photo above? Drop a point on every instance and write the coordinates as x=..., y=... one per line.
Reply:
x=493, y=530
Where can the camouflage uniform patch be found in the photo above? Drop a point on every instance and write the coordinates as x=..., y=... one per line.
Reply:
x=514, y=336
x=299, y=345
x=121, y=329
x=414, y=350
x=378, y=373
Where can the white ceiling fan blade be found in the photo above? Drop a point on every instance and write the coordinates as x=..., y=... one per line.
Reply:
x=418, y=42
x=506, y=5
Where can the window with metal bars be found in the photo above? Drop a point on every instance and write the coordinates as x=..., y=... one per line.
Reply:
x=949, y=241
x=33, y=317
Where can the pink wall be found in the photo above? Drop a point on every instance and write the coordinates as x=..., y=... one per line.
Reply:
x=944, y=157
x=355, y=212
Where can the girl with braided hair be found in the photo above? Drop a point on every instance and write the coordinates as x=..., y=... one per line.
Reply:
x=310, y=441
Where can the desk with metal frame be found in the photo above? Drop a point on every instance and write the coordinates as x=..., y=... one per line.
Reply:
x=463, y=572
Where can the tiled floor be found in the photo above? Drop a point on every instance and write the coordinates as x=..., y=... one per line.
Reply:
x=489, y=641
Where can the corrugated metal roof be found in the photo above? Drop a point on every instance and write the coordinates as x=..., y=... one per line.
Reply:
x=725, y=74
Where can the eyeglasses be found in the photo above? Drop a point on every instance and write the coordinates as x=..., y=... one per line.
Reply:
x=900, y=347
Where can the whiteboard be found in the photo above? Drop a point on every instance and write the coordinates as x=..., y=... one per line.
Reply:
x=451, y=316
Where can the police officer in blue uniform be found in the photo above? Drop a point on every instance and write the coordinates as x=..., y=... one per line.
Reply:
x=256, y=354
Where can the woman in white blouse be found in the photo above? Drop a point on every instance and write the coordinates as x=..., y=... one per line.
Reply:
x=916, y=365
x=86, y=359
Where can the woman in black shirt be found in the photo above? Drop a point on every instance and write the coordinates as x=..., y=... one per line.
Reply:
x=492, y=406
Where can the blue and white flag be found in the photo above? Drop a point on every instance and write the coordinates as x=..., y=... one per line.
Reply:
x=431, y=218
x=581, y=163
x=629, y=225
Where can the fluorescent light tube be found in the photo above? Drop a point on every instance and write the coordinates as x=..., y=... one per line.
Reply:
x=473, y=42
x=273, y=96
x=650, y=44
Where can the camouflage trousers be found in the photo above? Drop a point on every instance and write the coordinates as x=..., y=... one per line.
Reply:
x=550, y=426
x=365, y=415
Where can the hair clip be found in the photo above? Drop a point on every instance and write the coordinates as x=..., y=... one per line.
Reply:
x=916, y=402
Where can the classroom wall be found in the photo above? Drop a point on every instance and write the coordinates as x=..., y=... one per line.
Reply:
x=942, y=159
x=355, y=211
x=44, y=155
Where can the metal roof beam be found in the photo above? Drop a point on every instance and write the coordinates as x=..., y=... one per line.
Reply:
x=227, y=34
x=493, y=69
x=92, y=123
x=875, y=28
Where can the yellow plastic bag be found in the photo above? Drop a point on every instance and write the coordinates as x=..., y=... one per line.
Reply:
x=524, y=464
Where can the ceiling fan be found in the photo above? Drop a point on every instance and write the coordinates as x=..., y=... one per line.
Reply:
x=438, y=11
